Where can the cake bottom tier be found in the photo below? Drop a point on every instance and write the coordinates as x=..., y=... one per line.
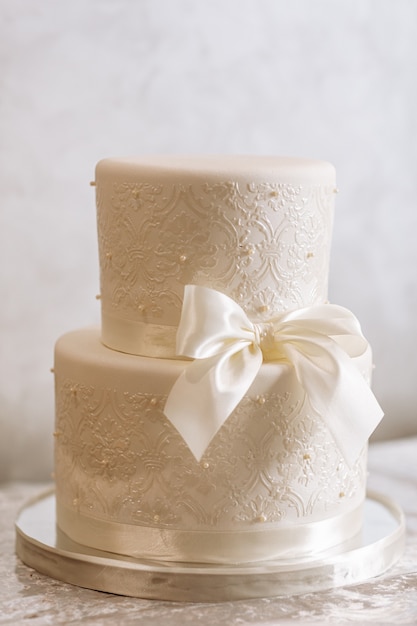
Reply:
x=272, y=483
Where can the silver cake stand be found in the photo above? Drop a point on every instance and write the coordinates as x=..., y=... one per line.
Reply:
x=40, y=545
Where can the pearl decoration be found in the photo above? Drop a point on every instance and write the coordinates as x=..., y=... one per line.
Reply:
x=264, y=308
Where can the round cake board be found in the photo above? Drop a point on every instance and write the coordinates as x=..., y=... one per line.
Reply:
x=40, y=545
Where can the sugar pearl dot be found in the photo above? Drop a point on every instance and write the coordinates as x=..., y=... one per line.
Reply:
x=260, y=399
x=261, y=518
x=153, y=401
x=310, y=255
x=206, y=465
x=341, y=494
x=57, y=433
x=108, y=255
x=264, y=308
x=182, y=258
x=306, y=457
x=156, y=518
x=75, y=502
x=98, y=296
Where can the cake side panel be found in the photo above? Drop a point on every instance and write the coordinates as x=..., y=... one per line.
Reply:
x=118, y=459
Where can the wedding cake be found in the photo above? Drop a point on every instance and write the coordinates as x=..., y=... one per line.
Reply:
x=221, y=413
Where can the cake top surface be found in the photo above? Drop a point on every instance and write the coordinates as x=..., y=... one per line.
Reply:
x=224, y=167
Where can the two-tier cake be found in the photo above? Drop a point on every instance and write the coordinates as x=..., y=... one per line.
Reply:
x=221, y=413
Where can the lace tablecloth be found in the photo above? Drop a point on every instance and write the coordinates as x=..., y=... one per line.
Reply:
x=28, y=597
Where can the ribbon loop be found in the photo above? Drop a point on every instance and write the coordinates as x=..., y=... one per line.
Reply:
x=319, y=342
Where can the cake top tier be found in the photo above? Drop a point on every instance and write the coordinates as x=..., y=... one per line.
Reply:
x=255, y=228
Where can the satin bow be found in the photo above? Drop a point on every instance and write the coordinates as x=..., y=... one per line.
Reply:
x=228, y=349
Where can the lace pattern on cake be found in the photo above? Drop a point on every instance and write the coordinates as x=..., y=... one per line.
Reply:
x=265, y=245
x=118, y=458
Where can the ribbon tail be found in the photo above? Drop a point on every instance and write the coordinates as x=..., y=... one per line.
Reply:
x=207, y=392
x=341, y=396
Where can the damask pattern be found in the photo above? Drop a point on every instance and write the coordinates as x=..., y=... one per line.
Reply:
x=118, y=458
x=265, y=245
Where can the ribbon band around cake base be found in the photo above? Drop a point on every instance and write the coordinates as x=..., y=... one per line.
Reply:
x=139, y=338
x=266, y=542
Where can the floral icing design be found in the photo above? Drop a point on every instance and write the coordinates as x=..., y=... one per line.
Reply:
x=264, y=245
x=118, y=458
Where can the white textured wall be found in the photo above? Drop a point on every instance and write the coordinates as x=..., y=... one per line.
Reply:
x=81, y=80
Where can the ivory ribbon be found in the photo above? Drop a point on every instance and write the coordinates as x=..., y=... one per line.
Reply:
x=228, y=350
x=205, y=546
x=136, y=337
